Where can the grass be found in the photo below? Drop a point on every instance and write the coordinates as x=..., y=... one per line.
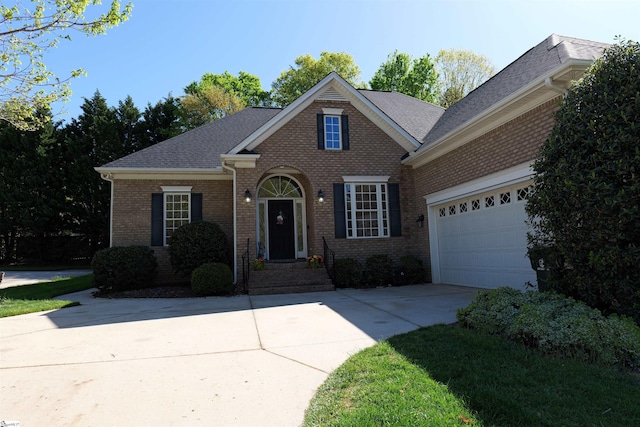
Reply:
x=448, y=376
x=39, y=297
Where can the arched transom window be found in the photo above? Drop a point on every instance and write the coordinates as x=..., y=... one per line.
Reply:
x=280, y=187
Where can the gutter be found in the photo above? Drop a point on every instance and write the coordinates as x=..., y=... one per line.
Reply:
x=548, y=82
x=109, y=177
x=235, y=222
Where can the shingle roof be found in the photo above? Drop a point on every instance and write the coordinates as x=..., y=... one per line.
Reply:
x=413, y=115
x=199, y=148
x=550, y=54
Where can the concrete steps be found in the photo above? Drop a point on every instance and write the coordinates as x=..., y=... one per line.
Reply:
x=288, y=278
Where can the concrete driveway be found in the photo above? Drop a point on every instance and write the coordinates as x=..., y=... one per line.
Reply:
x=238, y=361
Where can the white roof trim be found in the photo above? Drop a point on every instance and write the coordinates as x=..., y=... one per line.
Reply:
x=402, y=137
x=422, y=156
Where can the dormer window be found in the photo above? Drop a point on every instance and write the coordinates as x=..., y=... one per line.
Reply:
x=333, y=130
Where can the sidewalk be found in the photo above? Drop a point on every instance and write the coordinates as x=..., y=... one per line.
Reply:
x=238, y=361
x=15, y=278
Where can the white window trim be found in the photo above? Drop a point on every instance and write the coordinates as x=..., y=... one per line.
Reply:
x=332, y=111
x=174, y=190
x=382, y=231
x=359, y=179
x=339, y=117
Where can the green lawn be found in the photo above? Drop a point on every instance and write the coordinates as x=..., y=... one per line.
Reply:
x=38, y=297
x=447, y=376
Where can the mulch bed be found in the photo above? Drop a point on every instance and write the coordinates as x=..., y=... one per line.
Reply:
x=157, y=292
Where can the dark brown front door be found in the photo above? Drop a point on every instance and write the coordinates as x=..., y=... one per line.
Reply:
x=281, y=230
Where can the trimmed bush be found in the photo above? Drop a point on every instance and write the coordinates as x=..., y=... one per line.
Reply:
x=195, y=244
x=124, y=268
x=379, y=270
x=586, y=192
x=214, y=278
x=412, y=269
x=348, y=273
x=555, y=325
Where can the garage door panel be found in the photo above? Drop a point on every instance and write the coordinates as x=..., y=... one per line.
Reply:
x=485, y=246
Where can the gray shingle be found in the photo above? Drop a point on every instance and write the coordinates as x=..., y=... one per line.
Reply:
x=413, y=115
x=199, y=148
x=551, y=53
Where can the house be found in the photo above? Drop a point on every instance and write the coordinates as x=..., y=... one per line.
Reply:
x=359, y=170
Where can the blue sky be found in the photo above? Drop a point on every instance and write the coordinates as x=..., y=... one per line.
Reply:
x=169, y=43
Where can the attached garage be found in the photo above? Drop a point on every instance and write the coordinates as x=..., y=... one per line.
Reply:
x=479, y=233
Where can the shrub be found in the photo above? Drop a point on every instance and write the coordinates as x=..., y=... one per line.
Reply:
x=379, y=270
x=195, y=244
x=556, y=325
x=348, y=273
x=124, y=268
x=586, y=192
x=412, y=269
x=212, y=278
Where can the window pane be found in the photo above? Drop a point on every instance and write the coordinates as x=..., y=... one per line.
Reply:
x=368, y=216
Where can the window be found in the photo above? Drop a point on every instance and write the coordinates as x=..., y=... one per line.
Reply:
x=333, y=130
x=172, y=208
x=367, y=210
x=332, y=133
x=177, y=212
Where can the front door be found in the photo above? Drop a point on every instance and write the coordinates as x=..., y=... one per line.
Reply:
x=281, y=229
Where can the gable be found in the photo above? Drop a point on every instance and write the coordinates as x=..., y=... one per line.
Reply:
x=331, y=88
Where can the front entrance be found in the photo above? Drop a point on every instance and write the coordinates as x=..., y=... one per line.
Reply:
x=281, y=219
x=281, y=229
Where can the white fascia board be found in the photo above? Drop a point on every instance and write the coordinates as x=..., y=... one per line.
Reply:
x=402, y=137
x=436, y=149
x=163, y=173
x=240, y=161
x=513, y=175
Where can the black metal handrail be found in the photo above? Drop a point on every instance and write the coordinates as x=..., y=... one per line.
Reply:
x=329, y=257
x=246, y=268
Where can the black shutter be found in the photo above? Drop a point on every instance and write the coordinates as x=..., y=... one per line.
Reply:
x=196, y=207
x=394, y=210
x=340, y=218
x=157, y=219
x=320, y=119
x=345, y=132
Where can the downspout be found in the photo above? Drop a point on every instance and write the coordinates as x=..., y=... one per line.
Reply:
x=548, y=82
x=235, y=215
x=109, y=177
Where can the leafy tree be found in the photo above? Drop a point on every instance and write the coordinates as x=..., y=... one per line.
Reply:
x=308, y=71
x=414, y=77
x=127, y=118
x=460, y=71
x=26, y=33
x=159, y=122
x=245, y=86
x=89, y=141
x=211, y=103
x=31, y=200
x=585, y=203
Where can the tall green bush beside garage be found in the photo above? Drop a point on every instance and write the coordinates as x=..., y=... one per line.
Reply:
x=585, y=204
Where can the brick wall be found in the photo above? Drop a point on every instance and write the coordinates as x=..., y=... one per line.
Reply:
x=132, y=214
x=295, y=146
x=511, y=144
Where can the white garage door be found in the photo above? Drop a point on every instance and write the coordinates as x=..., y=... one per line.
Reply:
x=482, y=240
